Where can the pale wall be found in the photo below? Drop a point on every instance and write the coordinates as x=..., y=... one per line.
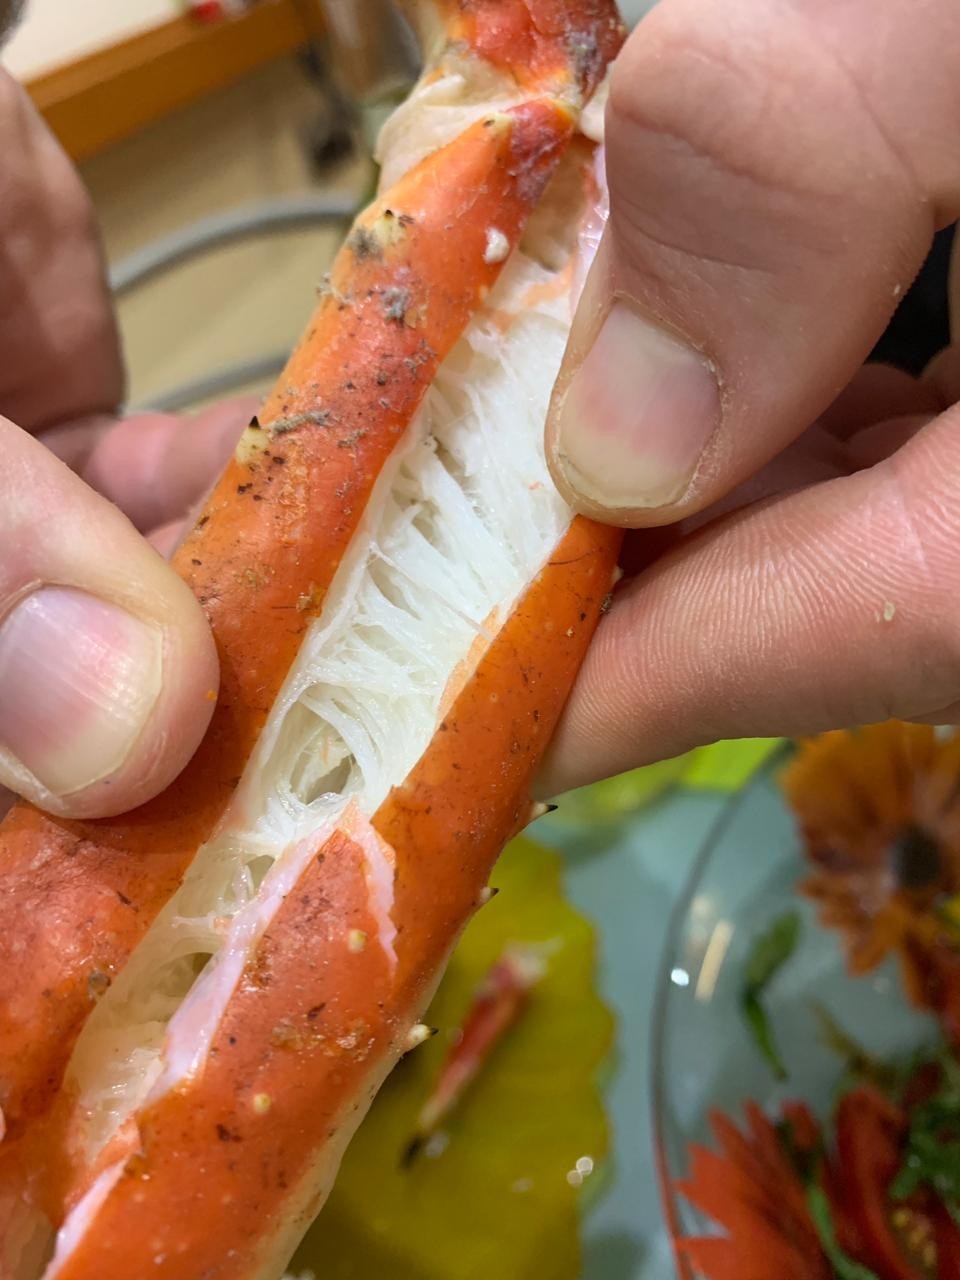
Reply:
x=56, y=31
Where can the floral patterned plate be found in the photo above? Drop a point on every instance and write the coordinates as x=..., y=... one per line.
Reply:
x=806, y=1086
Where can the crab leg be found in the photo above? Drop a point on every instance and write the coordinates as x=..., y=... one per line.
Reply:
x=329, y=478
x=316, y=1020
x=75, y=897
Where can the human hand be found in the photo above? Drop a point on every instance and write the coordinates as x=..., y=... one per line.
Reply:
x=776, y=172
x=107, y=666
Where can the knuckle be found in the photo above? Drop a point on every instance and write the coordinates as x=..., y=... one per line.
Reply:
x=11, y=96
x=38, y=181
x=758, y=98
x=701, y=123
x=740, y=148
x=702, y=93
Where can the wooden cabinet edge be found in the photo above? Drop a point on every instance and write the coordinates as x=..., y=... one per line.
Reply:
x=110, y=95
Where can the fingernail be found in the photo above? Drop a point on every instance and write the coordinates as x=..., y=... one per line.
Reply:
x=78, y=681
x=636, y=415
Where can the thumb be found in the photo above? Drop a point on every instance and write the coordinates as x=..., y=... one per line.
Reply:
x=108, y=672
x=776, y=175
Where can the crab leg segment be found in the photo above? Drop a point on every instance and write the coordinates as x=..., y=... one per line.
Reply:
x=75, y=898
x=322, y=1007
x=199, y=999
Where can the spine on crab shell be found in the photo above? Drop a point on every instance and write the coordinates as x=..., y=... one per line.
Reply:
x=310, y=1008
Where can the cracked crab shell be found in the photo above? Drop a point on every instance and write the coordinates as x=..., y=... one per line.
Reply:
x=401, y=601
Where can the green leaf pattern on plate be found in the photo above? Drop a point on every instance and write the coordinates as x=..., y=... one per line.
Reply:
x=503, y=1198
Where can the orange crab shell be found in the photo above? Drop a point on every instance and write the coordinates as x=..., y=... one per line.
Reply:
x=77, y=896
x=316, y=1022
x=550, y=42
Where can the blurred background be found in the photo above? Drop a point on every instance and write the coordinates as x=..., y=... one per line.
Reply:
x=187, y=118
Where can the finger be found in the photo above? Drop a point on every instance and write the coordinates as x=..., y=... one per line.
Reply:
x=154, y=466
x=108, y=671
x=61, y=352
x=166, y=538
x=883, y=439
x=819, y=454
x=879, y=391
x=943, y=373
x=836, y=605
x=776, y=175
x=815, y=457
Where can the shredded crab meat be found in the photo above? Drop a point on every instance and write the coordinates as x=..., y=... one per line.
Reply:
x=460, y=522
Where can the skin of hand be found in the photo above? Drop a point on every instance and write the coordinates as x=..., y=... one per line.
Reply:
x=777, y=172
x=108, y=671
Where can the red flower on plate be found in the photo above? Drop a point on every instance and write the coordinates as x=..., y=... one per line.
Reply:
x=895, y=1240
x=752, y=1189
x=758, y=1188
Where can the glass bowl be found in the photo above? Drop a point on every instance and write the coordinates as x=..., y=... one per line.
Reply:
x=703, y=1057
